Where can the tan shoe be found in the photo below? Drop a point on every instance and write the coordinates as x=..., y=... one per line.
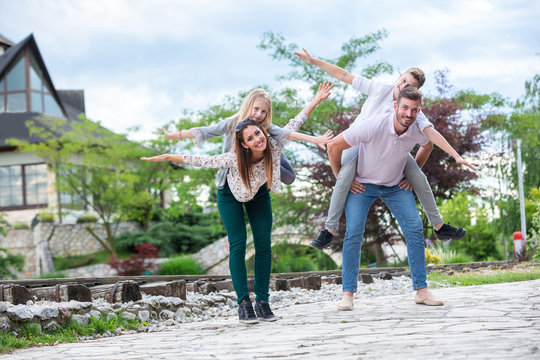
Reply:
x=428, y=299
x=346, y=303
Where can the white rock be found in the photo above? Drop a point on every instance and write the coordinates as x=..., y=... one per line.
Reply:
x=21, y=312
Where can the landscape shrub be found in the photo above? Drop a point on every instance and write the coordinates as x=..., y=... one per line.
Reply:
x=181, y=265
x=45, y=216
x=137, y=264
x=87, y=218
x=188, y=234
x=21, y=226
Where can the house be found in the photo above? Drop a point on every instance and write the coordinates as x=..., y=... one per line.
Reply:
x=27, y=92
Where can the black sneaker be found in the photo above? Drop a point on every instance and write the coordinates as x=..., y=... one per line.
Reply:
x=449, y=232
x=262, y=308
x=246, y=314
x=323, y=240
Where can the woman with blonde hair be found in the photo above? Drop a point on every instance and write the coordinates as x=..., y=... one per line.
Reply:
x=252, y=170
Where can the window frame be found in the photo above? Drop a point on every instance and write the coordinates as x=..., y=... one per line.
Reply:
x=25, y=205
x=28, y=90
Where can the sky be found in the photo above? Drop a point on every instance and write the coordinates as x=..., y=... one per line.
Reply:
x=143, y=62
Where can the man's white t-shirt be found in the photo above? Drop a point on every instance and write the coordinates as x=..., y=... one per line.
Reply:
x=382, y=154
x=380, y=100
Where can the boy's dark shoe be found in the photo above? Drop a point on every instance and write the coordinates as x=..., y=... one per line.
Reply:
x=449, y=232
x=323, y=240
x=262, y=308
x=246, y=314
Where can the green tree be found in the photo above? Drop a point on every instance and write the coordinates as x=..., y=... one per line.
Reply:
x=468, y=211
x=10, y=262
x=522, y=123
x=100, y=169
x=3, y=224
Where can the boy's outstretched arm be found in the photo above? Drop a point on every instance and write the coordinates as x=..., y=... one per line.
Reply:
x=335, y=149
x=423, y=154
x=435, y=137
x=333, y=70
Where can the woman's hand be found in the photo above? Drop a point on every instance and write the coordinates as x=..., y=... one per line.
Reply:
x=170, y=135
x=324, y=139
x=164, y=157
x=323, y=92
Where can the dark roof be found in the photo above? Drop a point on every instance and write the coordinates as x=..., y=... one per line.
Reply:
x=13, y=125
x=5, y=43
x=75, y=98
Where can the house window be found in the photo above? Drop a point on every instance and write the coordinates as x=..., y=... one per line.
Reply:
x=16, y=96
x=11, y=189
x=15, y=78
x=23, y=186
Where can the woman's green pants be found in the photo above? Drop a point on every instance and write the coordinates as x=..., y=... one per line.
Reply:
x=259, y=214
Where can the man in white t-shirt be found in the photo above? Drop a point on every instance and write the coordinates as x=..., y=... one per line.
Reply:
x=383, y=147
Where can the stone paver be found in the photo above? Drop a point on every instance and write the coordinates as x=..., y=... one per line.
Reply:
x=500, y=321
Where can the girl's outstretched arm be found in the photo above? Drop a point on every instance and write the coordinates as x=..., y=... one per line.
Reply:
x=200, y=134
x=322, y=95
x=182, y=134
x=320, y=141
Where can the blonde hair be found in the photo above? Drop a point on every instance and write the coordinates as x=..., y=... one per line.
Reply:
x=243, y=156
x=247, y=105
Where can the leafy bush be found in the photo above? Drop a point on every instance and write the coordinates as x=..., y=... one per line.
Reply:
x=10, y=262
x=449, y=255
x=137, y=264
x=182, y=265
x=432, y=258
x=74, y=261
x=87, y=218
x=188, y=234
x=480, y=241
x=3, y=224
x=296, y=258
x=45, y=216
x=287, y=264
x=21, y=225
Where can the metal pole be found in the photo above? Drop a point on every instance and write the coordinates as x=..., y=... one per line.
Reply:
x=521, y=196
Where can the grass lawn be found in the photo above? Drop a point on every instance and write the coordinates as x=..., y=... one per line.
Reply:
x=481, y=277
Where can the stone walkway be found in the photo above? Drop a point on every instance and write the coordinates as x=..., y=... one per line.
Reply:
x=500, y=321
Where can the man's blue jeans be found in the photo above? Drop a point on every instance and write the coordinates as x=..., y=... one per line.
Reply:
x=402, y=205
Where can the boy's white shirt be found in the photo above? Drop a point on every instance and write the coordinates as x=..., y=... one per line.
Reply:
x=380, y=100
